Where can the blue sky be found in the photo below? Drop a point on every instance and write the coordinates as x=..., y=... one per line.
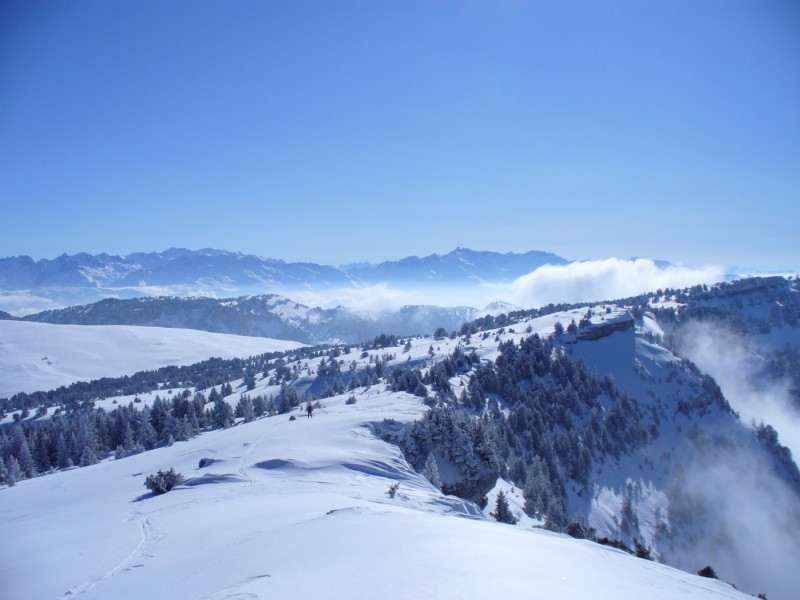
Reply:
x=348, y=131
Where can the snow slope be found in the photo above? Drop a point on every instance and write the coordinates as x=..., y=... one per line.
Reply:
x=296, y=509
x=41, y=356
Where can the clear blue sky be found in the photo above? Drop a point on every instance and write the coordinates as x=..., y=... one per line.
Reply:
x=345, y=131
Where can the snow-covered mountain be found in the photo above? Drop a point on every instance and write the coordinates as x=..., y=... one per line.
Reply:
x=270, y=316
x=460, y=265
x=204, y=269
x=83, y=278
x=749, y=326
x=298, y=509
x=588, y=418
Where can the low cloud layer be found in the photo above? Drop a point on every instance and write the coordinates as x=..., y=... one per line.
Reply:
x=760, y=511
x=370, y=299
x=606, y=279
x=576, y=282
x=21, y=304
x=752, y=542
x=737, y=369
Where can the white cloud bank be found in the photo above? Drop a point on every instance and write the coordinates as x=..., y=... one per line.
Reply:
x=576, y=282
x=586, y=281
x=737, y=369
x=761, y=539
x=606, y=279
x=20, y=304
x=369, y=299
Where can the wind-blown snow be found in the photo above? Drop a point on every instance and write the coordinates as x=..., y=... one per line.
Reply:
x=40, y=356
x=296, y=509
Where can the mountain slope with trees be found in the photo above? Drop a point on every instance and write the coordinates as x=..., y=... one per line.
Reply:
x=588, y=414
x=264, y=316
x=282, y=507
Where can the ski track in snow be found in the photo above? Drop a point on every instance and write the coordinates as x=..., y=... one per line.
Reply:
x=239, y=590
x=249, y=479
x=125, y=565
x=147, y=537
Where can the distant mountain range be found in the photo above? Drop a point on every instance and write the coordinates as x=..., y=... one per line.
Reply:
x=203, y=269
x=233, y=272
x=460, y=265
x=144, y=288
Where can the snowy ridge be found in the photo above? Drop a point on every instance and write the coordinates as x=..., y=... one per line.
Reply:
x=296, y=509
x=263, y=315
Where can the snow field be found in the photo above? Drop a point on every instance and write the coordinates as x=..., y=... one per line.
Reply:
x=41, y=356
x=319, y=493
x=296, y=509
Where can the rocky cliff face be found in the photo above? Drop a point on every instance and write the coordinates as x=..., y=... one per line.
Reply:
x=603, y=328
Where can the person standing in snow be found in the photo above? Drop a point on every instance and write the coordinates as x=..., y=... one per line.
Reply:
x=310, y=410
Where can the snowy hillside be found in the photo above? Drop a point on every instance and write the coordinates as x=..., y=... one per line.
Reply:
x=746, y=334
x=587, y=419
x=699, y=452
x=264, y=315
x=40, y=356
x=296, y=509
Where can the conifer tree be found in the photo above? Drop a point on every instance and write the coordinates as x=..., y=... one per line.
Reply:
x=163, y=481
x=259, y=406
x=194, y=423
x=63, y=458
x=249, y=382
x=431, y=472
x=147, y=436
x=502, y=511
x=222, y=414
x=24, y=458
x=244, y=409
x=87, y=457
x=14, y=473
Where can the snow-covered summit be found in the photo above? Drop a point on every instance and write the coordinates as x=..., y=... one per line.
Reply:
x=222, y=272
